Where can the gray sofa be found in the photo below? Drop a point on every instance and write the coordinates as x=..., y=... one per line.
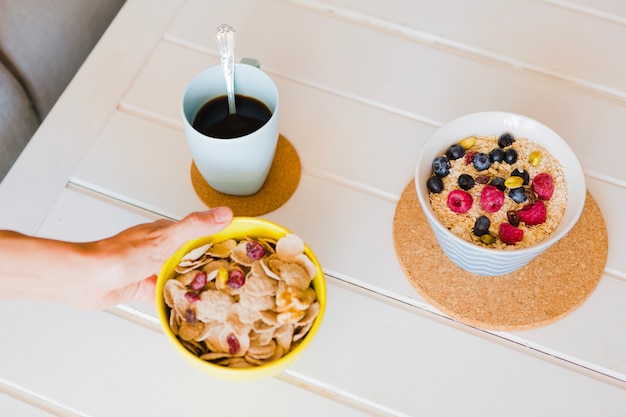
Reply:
x=42, y=45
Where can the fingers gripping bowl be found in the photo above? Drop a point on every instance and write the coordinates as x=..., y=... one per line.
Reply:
x=244, y=303
x=542, y=152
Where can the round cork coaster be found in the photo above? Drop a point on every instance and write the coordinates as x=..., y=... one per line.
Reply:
x=280, y=184
x=548, y=288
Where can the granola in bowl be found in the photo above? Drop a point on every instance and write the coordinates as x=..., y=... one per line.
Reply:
x=498, y=191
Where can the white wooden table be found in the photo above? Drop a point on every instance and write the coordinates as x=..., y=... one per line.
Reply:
x=362, y=84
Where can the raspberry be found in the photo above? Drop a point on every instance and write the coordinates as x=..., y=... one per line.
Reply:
x=491, y=199
x=533, y=214
x=543, y=185
x=459, y=201
x=510, y=234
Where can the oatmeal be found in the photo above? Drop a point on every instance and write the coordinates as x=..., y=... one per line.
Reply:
x=500, y=192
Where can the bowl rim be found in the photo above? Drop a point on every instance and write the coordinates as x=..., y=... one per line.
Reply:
x=556, y=235
x=239, y=227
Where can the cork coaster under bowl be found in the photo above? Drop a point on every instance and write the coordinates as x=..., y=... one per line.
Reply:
x=548, y=288
x=280, y=184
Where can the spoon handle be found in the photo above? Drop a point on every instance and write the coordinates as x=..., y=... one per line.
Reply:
x=225, y=36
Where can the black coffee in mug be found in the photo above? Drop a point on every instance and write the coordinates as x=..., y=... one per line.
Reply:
x=214, y=120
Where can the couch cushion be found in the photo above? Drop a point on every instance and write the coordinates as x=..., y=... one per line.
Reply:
x=45, y=42
x=18, y=120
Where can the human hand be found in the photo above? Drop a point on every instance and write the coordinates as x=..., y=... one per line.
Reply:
x=134, y=257
x=100, y=274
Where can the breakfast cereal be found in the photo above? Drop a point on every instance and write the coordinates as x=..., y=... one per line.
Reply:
x=500, y=192
x=243, y=303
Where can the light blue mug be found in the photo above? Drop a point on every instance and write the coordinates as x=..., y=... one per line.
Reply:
x=237, y=166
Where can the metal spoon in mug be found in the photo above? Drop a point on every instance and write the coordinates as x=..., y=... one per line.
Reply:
x=225, y=36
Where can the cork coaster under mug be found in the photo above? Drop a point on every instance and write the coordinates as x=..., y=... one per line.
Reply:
x=548, y=288
x=280, y=184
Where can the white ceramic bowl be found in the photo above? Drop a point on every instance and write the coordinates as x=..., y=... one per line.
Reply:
x=481, y=260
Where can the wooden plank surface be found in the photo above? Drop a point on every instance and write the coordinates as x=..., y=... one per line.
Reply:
x=551, y=39
x=90, y=356
x=327, y=192
x=364, y=345
x=14, y=407
x=362, y=87
x=419, y=81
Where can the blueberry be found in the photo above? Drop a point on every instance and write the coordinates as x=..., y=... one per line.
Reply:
x=481, y=161
x=505, y=139
x=510, y=156
x=435, y=185
x=481, y=226
x=455, y=151
x=522, y=173
x=466, y=181
x=518, y=194
x=496, y=155
x=441, y=166
x=498, y=182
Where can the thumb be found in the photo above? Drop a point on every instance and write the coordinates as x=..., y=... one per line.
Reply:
x=201, y=223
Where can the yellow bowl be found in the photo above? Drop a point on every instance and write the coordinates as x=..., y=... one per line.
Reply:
x=239, y=228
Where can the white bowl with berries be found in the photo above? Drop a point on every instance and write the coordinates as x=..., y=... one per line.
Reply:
x=498, y=189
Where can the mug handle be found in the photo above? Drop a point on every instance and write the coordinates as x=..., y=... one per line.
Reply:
x=251, y=61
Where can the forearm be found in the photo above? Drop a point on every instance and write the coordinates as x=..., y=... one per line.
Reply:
x=41, y=269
